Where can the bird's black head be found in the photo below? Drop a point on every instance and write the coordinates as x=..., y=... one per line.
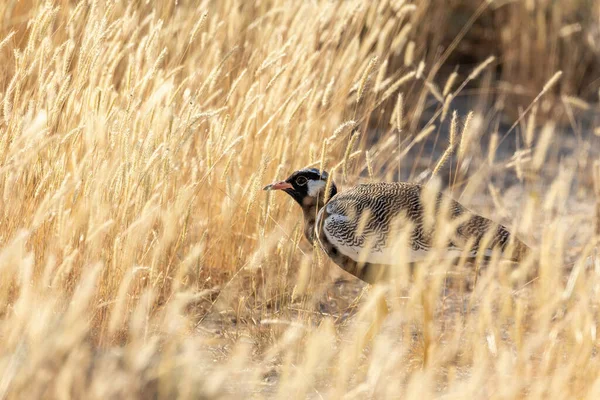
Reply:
x=306, y=186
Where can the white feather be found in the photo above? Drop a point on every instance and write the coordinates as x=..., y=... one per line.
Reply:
x=314, y=187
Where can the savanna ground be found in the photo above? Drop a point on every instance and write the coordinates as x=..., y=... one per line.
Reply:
x=140, y=259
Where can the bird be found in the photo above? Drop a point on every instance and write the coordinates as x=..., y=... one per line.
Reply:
x=358, y=228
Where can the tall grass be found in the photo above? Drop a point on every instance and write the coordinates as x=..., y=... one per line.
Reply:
x=139, y=258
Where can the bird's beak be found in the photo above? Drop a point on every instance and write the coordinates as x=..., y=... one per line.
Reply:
x=278, y=186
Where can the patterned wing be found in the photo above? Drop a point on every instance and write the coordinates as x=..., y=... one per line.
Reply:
x=368, y=222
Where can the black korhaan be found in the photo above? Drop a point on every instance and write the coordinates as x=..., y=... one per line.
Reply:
x=358, y=228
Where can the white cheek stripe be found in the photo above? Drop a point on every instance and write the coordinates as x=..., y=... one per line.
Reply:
x=314, y=187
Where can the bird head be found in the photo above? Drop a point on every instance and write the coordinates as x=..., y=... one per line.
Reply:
x=306, y=186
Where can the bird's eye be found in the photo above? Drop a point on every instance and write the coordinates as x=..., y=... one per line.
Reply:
x=301, y=181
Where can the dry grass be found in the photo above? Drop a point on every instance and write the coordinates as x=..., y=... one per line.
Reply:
x=139, y=258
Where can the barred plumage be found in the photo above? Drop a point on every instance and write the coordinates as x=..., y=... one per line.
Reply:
x=360, y=229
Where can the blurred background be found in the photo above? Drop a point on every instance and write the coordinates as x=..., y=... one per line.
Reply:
x=139, y=257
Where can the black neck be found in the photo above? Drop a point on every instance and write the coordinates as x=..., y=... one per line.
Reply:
x=310, y=216
x=310, y=208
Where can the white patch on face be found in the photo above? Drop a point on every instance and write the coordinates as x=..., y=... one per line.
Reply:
x=314, y=187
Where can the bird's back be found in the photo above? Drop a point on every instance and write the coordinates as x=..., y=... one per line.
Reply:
x=365, y=222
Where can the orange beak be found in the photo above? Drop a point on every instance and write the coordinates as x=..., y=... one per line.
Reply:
x=278, y=186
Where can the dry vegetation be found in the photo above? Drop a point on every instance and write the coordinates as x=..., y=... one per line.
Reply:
x=139, y=258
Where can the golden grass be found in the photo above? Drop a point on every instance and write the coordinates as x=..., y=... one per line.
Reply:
x=139, y=257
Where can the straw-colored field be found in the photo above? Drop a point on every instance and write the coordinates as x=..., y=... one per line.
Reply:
x=139, y=257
